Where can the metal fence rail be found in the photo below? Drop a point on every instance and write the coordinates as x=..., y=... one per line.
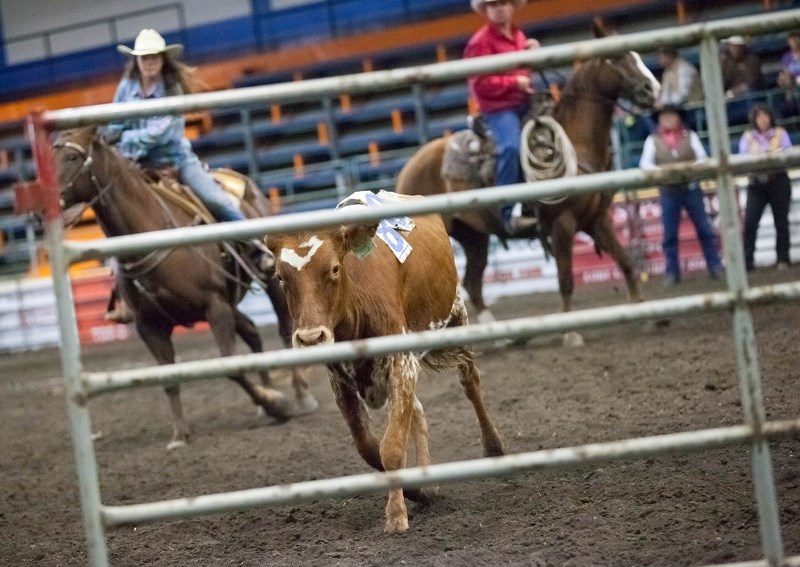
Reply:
x=756, y=431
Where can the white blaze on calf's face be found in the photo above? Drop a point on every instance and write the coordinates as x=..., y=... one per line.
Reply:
x=297, y=261
x=309, y=273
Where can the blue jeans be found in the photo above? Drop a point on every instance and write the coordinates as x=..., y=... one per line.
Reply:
x=506, y=128
x=193, y=174
x=673, y=199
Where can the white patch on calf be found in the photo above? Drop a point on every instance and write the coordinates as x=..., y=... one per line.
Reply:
x=647, y=73
x=458, y=313
x=297, y=261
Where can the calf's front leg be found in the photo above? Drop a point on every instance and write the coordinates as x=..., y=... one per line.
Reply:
x=402, y=381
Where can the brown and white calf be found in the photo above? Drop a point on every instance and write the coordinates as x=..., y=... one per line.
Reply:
x=335, y=296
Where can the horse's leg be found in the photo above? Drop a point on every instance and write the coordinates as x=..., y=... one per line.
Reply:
x=562, y=235
x=158, y=340
x=476, y=250
x=221, y=319
x=606, y=239
x=305, y=402
x=278, y=300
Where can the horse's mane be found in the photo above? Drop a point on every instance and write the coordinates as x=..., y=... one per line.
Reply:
x=580, y=81
x=123, y=170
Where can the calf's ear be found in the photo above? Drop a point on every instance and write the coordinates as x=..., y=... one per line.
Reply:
x=357, y=238
x=273, y=242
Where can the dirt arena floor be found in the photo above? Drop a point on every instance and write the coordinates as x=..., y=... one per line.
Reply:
x=627, y=381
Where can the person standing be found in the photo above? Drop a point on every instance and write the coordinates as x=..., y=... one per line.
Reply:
x=504, y=97
x=671, y=143
x=773, y=189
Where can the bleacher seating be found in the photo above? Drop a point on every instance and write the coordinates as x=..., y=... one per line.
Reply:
x=305, y=149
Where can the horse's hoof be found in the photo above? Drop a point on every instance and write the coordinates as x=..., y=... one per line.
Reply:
x=498, y=344
x=427, y=495
x=660, y=324
x=305, y=405
x=274, y=403
x=572, y=339
x=176, y=444
x=485, y=316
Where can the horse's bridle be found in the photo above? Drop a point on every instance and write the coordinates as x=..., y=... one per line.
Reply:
x=610, y=62
x=86, y=167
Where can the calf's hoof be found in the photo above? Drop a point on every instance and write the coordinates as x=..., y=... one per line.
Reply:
x=396, y=525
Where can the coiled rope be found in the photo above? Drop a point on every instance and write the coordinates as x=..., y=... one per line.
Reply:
x=545, y=158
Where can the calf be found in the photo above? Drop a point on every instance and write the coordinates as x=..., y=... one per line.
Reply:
x=345, y=284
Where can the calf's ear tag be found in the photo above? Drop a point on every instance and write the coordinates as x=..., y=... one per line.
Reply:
x=365, y=248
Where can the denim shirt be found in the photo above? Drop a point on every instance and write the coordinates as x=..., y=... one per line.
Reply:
x=156, y=140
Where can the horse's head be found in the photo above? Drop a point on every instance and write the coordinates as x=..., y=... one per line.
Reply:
x=73, y=155
x=626, y=75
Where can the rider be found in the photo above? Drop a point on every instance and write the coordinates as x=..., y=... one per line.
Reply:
x=503, y=98
x=154, y=71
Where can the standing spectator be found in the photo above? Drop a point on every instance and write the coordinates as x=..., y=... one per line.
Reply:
x=680, y=81
x=504, y=97
x=672, y=142
x=741, y=69
x=789, y=77
x=773, y=189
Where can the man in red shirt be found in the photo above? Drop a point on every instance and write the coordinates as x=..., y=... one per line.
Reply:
x=503, y=98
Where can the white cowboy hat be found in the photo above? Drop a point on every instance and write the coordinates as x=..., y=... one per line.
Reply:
x=150, y=42
x=478, y=5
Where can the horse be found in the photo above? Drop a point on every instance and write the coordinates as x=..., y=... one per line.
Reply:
x=585, y=112
x=178, y=286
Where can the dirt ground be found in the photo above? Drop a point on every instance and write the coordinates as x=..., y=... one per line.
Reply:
x=629, y=380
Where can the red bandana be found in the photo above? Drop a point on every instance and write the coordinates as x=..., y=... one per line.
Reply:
x=671, y=136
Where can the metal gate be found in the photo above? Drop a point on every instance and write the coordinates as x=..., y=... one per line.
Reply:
x=42, y=197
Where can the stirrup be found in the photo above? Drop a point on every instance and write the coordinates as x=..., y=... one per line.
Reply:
x=522, y=226
x=120, y=315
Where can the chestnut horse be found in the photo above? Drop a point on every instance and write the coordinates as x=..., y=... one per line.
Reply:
x=178, y=286
x=585, y=111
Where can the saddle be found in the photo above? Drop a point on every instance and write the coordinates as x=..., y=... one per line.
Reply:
x=164, y=181
x=470, y=154
x=250, y=256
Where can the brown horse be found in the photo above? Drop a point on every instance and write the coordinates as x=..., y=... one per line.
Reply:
x=585, y=111
x=178, y=286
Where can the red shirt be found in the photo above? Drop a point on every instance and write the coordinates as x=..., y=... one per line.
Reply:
x=497, y=92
